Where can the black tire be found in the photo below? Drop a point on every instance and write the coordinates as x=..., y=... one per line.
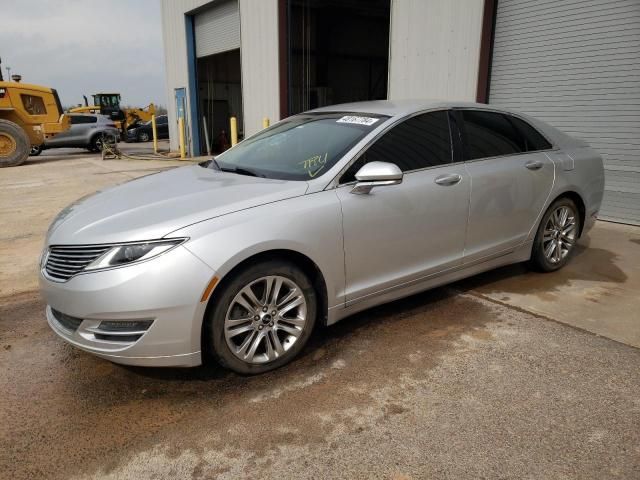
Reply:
x=143, y=137
x=14, y=144
x=35, y=150
x=221, y=302
x=97, y=143
x=541, y=261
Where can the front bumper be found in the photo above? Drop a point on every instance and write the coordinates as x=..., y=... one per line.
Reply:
x=162, y=294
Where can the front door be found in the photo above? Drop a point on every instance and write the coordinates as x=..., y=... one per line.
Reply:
x=402, y=233
x=511, y=180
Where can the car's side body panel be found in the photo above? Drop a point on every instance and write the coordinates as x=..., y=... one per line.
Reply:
x=310, y=225
x=404, y=232
x=80, y=135
x=507, y=198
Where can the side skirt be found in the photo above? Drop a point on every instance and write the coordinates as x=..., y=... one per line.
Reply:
x=521, y=254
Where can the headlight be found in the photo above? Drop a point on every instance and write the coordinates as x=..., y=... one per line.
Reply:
x=120, y=255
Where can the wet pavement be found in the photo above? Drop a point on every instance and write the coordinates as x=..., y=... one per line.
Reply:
x=440, y=385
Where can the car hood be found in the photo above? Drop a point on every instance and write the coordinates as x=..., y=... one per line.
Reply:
x=153, y=206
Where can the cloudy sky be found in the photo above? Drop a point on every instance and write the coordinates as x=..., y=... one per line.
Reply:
x=86, y=46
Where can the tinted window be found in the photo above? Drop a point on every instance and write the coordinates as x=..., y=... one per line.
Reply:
x=532, y=139
x=419, y=142
x=490, y=134
x=161, y=120
x=80, y=119
x=299, y=148
x=33, y=105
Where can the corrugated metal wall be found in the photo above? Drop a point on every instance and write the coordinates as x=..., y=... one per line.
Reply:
x=576, y=64
x=217, y=29
x=260, y=62
x=435, y=49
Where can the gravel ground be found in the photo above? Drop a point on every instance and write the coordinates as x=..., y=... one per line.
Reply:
x=441, y=385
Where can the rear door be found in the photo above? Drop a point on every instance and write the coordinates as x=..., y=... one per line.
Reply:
x=76, y=133
x=399, y=234
x=511, y=179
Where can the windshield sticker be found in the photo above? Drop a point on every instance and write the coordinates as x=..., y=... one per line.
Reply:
x=314, y=164
x=368, y=121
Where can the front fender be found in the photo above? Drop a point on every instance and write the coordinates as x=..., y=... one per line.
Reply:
x=310, y=225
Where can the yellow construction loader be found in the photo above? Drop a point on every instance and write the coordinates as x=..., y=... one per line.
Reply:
x=28, y=115
x=109, y=104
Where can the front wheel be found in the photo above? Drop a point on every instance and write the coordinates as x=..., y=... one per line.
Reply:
x=35, y=150
x=556, y=237
x=14, y=144
x=143, y=137
x=262, y=318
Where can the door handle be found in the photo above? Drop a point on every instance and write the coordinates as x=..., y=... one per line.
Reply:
x=447, y=180
x=534, y=165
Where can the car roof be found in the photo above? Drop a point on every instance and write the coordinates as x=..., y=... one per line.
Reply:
x=400, y=108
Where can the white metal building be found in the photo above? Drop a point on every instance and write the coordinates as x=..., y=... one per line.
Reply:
x=573, y=63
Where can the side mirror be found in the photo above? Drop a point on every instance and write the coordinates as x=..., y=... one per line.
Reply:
x=376, y=174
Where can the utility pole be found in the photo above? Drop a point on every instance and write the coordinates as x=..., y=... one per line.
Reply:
x=8, y=73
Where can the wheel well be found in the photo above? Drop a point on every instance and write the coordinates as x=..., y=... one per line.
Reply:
x=307, y=265
x=577, y=199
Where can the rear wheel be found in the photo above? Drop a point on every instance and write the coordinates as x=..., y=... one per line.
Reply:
x=556, y=237
x=262, y=318
x=14, y=144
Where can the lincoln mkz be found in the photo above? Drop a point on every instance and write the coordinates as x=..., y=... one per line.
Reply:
x=323, y=214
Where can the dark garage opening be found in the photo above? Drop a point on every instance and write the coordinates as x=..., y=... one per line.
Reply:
x=220, y=97
x=338, y=52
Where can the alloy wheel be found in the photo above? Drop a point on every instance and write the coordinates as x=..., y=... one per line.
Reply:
x=265, y=319
x=559, y=235
x=7, y=144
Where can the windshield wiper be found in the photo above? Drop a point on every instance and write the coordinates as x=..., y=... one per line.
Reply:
x=240, y=171
x=215, y=162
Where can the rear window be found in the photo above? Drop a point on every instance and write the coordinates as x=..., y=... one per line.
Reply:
x=81, y=119
x=532, y=139
x=33, y=105
x=490, y=134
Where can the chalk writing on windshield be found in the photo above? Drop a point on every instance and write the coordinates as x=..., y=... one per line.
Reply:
x=313, y=165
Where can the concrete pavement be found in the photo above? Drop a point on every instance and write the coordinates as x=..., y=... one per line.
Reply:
x=471, y=381
x=597, y=291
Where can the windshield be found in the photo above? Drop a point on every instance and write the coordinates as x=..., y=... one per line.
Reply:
x=299, y=148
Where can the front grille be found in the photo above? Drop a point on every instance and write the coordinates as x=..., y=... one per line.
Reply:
x=67, y=321
x=65, y=261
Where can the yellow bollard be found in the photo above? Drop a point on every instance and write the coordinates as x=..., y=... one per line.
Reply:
x=265, y=122
x=183, y=152
x=233, y=124
x=155, y=133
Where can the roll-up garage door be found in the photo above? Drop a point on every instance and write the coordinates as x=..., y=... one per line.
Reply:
x=576, y=65
x=217, y=29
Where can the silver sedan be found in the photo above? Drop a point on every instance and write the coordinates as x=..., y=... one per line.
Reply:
x=322, y=215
